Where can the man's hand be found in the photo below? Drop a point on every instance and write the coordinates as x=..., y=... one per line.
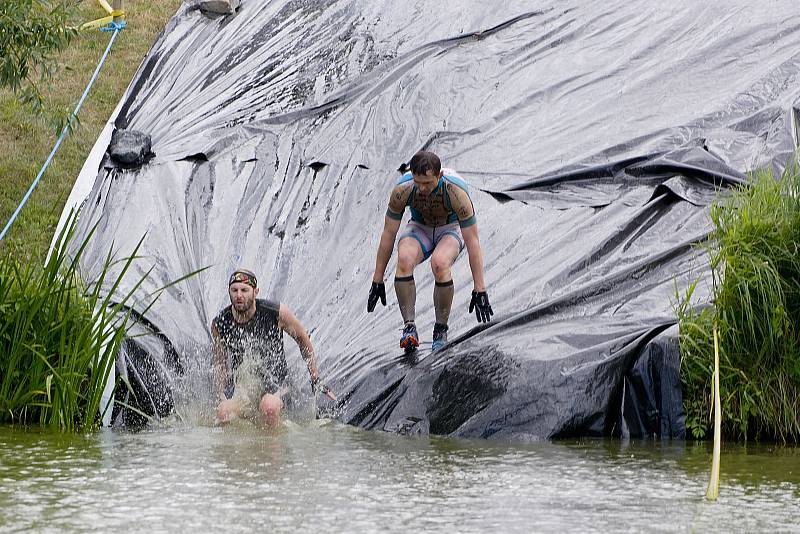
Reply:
x=480, y=303
x=316, y=386
x=377, y=291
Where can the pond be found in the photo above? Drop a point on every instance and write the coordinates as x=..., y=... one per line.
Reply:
x=327, y=477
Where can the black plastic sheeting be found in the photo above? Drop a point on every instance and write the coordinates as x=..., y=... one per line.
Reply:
x=594, y=136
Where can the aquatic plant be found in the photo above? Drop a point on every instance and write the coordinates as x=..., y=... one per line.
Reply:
x=59, y=336
x=755, y=263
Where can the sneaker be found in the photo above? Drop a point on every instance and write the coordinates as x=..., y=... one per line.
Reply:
x=439, y=336
x=410, y=339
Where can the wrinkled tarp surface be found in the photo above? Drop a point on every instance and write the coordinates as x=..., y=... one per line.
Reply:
x=594, y=136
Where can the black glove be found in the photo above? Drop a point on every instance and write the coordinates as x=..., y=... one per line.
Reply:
x=377, y=291
x=480, y=303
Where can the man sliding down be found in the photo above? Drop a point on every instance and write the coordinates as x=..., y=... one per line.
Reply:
x=249, y=335
x=441, y=212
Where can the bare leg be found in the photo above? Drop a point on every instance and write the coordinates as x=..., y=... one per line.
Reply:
x=270, y=409
x=227, y=410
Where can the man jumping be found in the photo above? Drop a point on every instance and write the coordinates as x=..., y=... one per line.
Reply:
x=441, y=212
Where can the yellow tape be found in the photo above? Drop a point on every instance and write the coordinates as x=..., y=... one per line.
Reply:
x=96, y=23
x=119, y=13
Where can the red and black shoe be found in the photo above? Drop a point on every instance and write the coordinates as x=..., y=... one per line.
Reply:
x=409, y=340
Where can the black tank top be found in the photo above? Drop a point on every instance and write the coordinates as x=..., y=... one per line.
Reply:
x=260, y=334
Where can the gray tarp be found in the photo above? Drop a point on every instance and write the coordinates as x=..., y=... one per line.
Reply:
x=594, y=135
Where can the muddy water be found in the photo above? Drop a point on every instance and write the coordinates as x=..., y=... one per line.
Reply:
x=326, y=477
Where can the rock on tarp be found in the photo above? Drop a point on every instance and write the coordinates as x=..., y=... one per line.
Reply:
x=594, y=137
x=129, y=148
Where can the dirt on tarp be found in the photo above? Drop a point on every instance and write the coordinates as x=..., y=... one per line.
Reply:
x=594, y=137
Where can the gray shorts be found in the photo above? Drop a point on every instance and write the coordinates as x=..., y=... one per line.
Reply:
x=428, y=237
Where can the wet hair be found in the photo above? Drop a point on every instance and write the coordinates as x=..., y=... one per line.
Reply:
x=424, y=161
x=244, y=276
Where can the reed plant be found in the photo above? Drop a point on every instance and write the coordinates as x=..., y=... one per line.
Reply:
x=59, y=336
x=755, y=261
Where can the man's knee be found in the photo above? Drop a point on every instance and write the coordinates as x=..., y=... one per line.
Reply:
x=226, y=410
x=270, y=407
x=408, y=254
x=440, y=265
x=406, y=263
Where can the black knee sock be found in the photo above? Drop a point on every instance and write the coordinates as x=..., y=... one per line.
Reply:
x=406, y=291
x=443, y=300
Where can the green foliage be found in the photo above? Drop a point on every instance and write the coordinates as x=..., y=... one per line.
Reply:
x=27, y=139
x=32, y=32
x=755, y=262
x=58, y=338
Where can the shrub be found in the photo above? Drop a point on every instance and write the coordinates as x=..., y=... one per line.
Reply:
x=755, y=263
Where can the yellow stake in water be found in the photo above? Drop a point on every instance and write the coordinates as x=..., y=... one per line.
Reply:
x=713, y=483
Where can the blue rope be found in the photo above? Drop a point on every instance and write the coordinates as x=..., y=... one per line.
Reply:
x=113, y=26
x=64, y=132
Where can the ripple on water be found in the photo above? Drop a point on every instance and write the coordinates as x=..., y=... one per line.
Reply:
x=306, y=477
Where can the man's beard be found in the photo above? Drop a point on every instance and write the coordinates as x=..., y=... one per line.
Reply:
x=244, y=306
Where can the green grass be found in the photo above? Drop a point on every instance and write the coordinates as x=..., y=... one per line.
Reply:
x=27, y=139
x=755, y=260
